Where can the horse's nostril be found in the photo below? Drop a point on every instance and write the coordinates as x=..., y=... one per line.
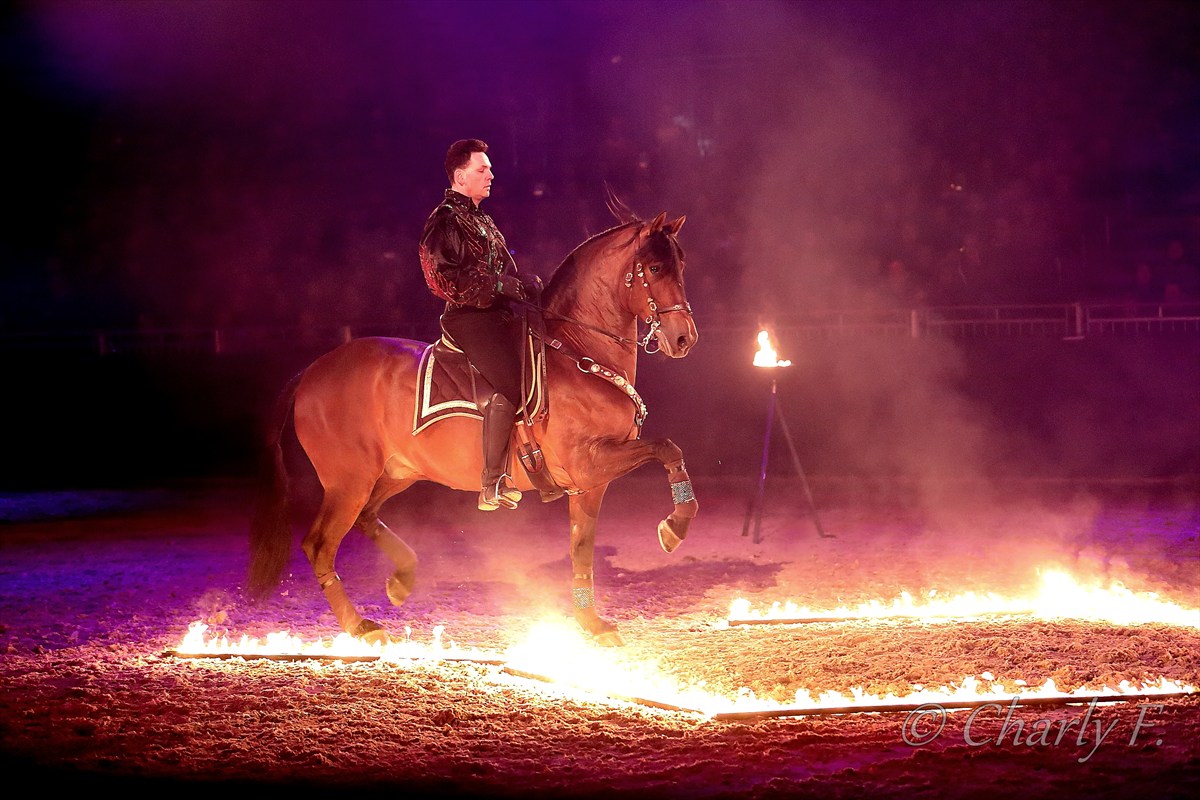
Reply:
x=681, y=343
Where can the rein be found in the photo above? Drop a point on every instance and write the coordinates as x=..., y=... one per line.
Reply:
x=584, y=363
x=590, y=366
x=652, y=319
x=564, y=318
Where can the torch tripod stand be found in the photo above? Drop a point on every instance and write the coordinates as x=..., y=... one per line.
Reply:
x=755, y=507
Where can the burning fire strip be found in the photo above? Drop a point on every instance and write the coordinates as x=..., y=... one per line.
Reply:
x=858, y=702
x=282, y=646
x=971, y=693
x=560, y=657
x=946, y=705
x=556, y=653
x=1059, y=597
x=627, y=698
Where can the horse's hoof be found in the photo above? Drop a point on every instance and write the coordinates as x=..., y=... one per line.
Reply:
x=668, y=537
x=610, y=639
x=380, y=637
x=595, y=625
x=371, y=633
x=399, y=587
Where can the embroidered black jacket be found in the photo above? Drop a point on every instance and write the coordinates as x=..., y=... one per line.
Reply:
x=463, y=254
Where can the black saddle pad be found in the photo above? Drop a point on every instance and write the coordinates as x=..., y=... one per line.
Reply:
x=445, y=387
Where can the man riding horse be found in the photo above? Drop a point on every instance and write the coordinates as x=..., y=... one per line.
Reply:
x=353, y=411
x=467, y=264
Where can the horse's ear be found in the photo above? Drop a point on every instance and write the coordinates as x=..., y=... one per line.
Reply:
x=657, y=223
x=673, y=227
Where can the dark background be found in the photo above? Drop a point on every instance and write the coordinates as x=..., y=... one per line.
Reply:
x=864, y=409
x=179, y=169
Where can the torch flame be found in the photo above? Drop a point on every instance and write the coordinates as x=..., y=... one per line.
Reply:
x=1060, y=597
x=766, y=355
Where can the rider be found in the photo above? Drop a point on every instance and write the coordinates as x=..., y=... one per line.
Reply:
x=467, y=263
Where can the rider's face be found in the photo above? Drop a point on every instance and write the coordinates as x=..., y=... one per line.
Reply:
x=475, y=179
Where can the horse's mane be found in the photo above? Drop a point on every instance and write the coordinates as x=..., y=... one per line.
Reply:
x=626, y=219
x=617, y=206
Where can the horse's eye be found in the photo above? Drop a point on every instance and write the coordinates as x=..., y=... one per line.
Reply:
x=654, y=268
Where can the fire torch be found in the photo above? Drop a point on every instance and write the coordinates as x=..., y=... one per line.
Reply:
x=767, y=358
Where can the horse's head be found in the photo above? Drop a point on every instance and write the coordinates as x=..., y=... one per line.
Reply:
x=655, y=284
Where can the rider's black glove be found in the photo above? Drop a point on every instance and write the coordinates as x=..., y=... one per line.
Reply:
x=532, y=287
x=519, y=288
x=510, y=286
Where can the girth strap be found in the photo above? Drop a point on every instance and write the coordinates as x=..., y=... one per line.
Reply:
x=529, y=452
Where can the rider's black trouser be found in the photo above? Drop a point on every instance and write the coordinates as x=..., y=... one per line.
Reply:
x=491, y=339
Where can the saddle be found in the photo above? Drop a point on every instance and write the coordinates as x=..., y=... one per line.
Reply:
x=447, y=386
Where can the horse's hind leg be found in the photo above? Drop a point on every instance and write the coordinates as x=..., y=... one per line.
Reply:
x=339, y=510
x=399, y=583
x=584, y=511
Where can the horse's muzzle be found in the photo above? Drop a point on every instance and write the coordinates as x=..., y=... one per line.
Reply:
x=677, y=334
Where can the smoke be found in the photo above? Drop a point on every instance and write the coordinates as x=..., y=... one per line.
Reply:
x=813, y=141
x=836, y=141
x=233, y=163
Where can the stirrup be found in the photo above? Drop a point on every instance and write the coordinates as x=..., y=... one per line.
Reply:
x=495, y=495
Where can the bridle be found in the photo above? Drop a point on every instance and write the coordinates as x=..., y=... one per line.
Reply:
x=588, y=364
x=652, y=318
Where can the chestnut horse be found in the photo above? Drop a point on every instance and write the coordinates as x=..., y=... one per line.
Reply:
x=352, y=411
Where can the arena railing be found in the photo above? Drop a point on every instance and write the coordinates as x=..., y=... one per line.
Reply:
x=1064, y=321
x=1070, y=321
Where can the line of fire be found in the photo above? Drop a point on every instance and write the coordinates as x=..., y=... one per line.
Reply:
x=555, y=655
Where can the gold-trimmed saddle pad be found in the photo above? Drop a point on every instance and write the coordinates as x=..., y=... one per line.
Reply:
x=445, y=388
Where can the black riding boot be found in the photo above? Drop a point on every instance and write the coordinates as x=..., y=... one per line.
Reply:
x=498, y=418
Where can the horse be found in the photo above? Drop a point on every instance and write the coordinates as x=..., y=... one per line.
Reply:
x=352, y=412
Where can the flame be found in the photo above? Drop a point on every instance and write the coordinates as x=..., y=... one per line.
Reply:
x=1060, y=596
x=557, y=653
x=766, y=356
x=196, y=642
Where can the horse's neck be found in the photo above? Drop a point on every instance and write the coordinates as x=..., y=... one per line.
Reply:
x=617, y=356
x=594, y=297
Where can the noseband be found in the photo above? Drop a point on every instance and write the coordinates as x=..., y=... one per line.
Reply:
x=652, y=318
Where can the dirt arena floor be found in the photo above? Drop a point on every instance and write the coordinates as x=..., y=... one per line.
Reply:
x=96, y=589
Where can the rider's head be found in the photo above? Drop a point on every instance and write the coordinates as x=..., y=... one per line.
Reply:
x=469, y=169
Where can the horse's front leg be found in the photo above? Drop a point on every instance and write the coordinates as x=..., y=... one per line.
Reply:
x=674, y=529
x=617, y=458
x=584, y=511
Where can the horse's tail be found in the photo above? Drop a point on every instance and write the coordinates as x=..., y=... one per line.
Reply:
x=270, y=529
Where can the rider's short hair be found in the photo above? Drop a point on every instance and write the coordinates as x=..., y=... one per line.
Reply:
x=459, y=154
